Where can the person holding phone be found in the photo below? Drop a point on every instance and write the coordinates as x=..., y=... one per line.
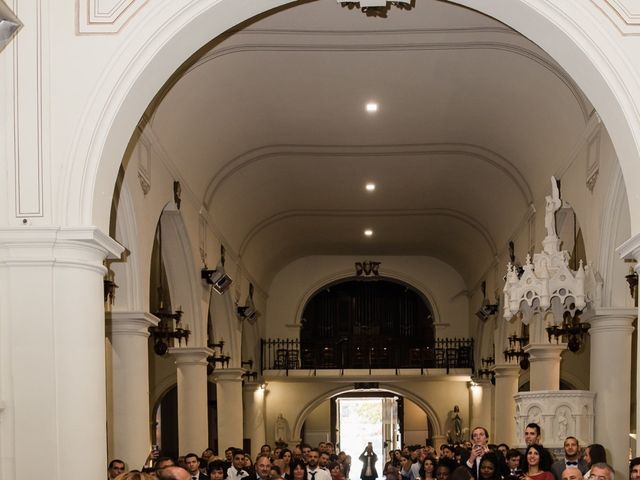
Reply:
x=479, y=439
x=368, y=459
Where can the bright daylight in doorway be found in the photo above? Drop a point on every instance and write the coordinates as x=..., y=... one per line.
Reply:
x=363, y=420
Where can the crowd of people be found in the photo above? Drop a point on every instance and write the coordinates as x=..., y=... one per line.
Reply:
x=477, y=459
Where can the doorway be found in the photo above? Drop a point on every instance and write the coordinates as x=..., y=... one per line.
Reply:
x=360, y=419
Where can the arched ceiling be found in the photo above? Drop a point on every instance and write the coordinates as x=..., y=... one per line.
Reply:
x=268, y=127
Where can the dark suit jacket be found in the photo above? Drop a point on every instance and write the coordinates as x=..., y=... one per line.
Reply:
x=373, y=458
x=558, y=467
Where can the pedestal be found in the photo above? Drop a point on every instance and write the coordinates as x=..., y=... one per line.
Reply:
x=544, y=369
x=559, y=413
x=193, y=425
x=129, y=385
x=506, y=387
x=610, y=332
x=52, y=352
x=230, y=408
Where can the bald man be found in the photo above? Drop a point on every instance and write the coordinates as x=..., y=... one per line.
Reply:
x=173, y=473
x=571, y=473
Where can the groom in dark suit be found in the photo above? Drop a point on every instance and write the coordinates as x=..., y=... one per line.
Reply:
x=571, y=458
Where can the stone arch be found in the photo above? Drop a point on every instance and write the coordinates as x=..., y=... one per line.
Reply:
x=182, y=274
x=398, y=276
x=140, y=68
x=425, y=406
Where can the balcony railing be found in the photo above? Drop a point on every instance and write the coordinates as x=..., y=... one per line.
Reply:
x=288, y=354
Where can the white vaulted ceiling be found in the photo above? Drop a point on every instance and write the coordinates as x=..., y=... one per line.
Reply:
x=267, y=126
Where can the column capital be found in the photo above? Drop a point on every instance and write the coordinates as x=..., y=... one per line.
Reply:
x=506, y=370
x=252, y=385
x=75, y=246
x=545, y=351
x=480, y=382
x=613, y=319
x=130, y=323
x=190, y=355
x=228, y=375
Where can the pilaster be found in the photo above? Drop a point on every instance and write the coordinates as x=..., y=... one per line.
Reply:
x=52, y=384
x=610, y=333
x=481, y=396
x=191, y=363
x=506, y=387
x=230, y=406
x=254, y=424
x=128, y=385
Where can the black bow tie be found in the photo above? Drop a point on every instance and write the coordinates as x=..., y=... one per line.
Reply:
x=572, y=463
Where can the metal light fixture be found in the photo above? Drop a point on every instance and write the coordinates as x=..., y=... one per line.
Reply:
x=249, y=312
x=572, y=328
x=367, y=268
x=170, y=325
x=487, y=309
x=516, y=351
x=218, y=357
x=377, y=8
x=485, y=371
x=109, y=288
x=218, y=279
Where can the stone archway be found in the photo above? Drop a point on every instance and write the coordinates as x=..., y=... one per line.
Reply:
x=173, y=34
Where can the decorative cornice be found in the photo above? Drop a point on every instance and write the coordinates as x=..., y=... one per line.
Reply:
x=624, y=14
x=630, y=249
x=227, y=375
x=543, y=394
x=549, y=351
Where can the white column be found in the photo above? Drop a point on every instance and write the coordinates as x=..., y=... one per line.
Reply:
x=193, y=424
x=481, y=396
x=230, y=408
x=611, y=330
x=129, y=385
x=52, y=354
x=254, y=427
x=506, y=387
x=544, y=369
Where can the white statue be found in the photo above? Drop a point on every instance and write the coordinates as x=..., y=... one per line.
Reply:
x=553, y=203
x=281, y=428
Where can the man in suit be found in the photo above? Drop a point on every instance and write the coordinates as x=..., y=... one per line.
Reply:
x=193, y=467
x=479, y=438
x=368, y=459
x=571, y=459
x=262, y=467
x=116, y=467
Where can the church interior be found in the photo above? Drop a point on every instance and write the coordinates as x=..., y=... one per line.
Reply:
x=225, y=219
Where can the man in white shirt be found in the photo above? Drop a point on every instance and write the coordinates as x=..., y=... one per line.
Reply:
x=314, y=472
x=235, y=471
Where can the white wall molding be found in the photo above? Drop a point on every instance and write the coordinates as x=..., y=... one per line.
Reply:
x=624, y=14
x=106, y=16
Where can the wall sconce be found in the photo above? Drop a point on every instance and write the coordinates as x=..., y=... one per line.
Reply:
x=219, y=344
x=218, y=279
x=571, y=327
x=168, y=328
x=485, y=372
x=632, y=280
x=212, y=360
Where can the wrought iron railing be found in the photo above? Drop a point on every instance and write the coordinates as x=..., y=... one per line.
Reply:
x=290, y=354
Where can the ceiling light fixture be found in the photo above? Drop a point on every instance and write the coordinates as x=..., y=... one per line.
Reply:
x=371, y=107
x=370, y=187
x=368, y=232
x=376, y=8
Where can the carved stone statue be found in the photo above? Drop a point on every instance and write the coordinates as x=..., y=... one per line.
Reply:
x=455, y=425
x=553, y=203
x=281, y=428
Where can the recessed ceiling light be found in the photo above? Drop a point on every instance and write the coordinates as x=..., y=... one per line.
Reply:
x=368, y=232
x=372, y=107
x=370, y=186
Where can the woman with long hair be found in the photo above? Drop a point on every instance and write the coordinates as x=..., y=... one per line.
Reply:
x=594, y=453
x=284, y=462
x=298, y=469
x=428, y=468
x=335, y=469
x=489, y=467
x=537, y=464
